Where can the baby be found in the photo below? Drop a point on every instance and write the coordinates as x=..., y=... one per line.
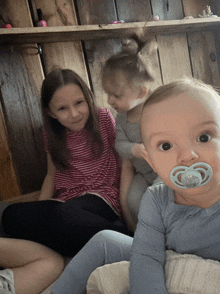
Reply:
x=180, y=129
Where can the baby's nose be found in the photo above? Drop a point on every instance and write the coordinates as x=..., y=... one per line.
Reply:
x=187, y=157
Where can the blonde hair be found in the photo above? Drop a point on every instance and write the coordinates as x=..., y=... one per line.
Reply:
x=136, y=70
x=190, y=86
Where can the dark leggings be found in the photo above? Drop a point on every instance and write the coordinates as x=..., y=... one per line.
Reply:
x=63, y=226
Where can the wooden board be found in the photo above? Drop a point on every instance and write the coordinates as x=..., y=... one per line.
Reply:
x=203, y=56
x=9, y=187
x=23, y=120
x=202, y=47
x=174, y=57
x=64, y=55
x=18, y=14
x=98, y=12
x=167, y=9
x=215, y=7
x=173, y=48
x=132, y=11
x=194, y=7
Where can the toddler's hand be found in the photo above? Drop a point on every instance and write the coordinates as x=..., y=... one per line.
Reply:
x=136, y=150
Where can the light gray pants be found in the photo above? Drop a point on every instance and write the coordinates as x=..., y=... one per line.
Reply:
x=104, y=248
x=136, y=190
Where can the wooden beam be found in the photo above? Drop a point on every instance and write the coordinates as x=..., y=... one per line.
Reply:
x=101, y=31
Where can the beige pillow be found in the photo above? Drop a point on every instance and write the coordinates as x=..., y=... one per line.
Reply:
x=185, y=274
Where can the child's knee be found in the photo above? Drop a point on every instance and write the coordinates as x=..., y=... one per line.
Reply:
x=54, y=264
x=105, y=238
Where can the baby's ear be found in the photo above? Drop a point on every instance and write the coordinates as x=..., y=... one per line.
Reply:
x=143, y=92
x=145, y=155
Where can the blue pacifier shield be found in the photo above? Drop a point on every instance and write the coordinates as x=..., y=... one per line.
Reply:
x=196, y=175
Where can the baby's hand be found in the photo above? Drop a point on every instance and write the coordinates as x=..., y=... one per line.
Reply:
x=136, y=150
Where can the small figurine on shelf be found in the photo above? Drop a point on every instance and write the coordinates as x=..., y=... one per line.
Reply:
x=188, y=17
x=156, y=17
x=41, y=21
x=117, y=21
x=207, y=12
x=6, y=26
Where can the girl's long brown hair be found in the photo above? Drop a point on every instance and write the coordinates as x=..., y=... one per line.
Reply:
x=54, y=129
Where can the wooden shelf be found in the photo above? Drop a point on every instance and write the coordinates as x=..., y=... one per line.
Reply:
x=32, y=35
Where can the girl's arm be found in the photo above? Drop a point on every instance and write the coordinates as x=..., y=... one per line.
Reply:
x=48, y=184
x=148, y=250
x=34, y=266
x=127, y=175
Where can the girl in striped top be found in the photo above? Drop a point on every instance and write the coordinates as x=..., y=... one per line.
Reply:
x=83, y=174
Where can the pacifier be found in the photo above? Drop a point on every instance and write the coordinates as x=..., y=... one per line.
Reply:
x=196, y=175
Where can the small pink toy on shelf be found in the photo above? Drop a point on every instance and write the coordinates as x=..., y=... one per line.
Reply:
x=188, y=17
x=41, y=22
x=6, y=26
x=117, y=21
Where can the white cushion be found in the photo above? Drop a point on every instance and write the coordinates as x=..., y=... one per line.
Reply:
x=185, y=274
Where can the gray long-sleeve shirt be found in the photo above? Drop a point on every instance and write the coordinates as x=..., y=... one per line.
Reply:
x=127, y=135
x=164, y=225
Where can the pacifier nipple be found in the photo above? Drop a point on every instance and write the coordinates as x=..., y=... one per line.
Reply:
x=196, y=175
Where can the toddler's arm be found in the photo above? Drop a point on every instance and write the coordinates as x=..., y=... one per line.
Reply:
x=127, y=175
x=124, y=147
x=122, y=144
x=34, y=266
x=48, y=184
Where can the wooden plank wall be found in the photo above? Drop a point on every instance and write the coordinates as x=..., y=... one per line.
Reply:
x=23, y=120
x=215, y=7
x=21, y=79
x=202, y=48
x=174, y=55
x=63, y=55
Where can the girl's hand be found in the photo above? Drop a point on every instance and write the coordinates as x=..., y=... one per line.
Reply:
x=136, y=150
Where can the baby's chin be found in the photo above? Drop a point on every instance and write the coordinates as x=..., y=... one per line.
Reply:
x=193, y=192
x=119, y=110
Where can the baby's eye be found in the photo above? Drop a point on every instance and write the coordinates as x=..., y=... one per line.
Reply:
x=165, y=146
x=62, y=108
x=204, y=138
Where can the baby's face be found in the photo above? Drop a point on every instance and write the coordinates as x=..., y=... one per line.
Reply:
x=121, y=96
x=182, y=131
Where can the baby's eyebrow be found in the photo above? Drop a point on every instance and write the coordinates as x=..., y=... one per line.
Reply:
x=209, y=122
x=157, y=134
